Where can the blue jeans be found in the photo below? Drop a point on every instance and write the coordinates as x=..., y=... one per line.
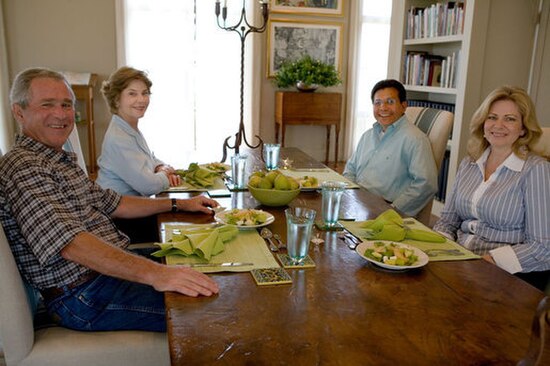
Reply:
x=108, y=303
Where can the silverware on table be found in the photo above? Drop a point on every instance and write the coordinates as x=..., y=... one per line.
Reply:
x=436, y=252
x=351, y=240
x=267, y=235
x=280, y=243
x=222, y=264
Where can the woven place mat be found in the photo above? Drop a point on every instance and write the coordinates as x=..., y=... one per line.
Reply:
x=447, y=251
x=321, y=176
x=248, y=247
x=186, y=187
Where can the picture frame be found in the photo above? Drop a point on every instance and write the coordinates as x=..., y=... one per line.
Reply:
x=312, y=7
x=290, y=39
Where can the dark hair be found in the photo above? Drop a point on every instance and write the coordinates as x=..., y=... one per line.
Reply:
x=118, y=81
x=390, y=83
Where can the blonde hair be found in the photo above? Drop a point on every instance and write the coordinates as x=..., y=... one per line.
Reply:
x=477, y=143
x=118, y=81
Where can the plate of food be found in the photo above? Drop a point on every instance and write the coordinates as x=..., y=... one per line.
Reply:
x=245, y=218
x=308, y=183
x=391, y=255
x=217, y=167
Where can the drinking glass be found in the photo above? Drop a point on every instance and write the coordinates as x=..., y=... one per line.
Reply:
x=299, y=223
x=332, y=194
x=238, y=169
x=271, y=155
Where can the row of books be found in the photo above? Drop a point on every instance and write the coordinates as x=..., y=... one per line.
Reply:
x=429, y=104
x=424, y=69
x=442, y=179
x=441, y=19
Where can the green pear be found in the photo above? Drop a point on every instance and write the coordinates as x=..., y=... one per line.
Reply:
x=259, y=173
x=293, y=184
x=272, y=175
x=254, y=181
x=281, y=183
x=265, y=183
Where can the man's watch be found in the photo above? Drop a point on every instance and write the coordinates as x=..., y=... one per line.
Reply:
x=174, y=205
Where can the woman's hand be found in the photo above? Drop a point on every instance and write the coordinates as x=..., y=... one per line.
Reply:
x=173, y=179
x=488, y=258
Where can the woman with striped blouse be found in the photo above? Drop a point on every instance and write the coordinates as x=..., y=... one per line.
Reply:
x=499, y=206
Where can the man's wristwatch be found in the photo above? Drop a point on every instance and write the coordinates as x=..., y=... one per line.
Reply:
x=174, y=205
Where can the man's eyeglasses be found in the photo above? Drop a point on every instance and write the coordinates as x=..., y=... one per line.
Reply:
x=380, y=102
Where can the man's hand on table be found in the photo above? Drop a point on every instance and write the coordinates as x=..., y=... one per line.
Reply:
x=184, y=280
x=198, y=204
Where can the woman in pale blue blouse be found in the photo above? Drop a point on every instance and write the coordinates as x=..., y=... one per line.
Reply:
x=500, y=202
x=126, y=164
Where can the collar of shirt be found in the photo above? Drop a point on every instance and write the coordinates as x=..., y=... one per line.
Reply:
x=380, y=131
x=512, y=162
x=31, y=144
x=125, y=126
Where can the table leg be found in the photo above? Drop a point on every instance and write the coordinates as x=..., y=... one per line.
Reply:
x=283, y=130
x=337, y=131
x=328, y=144
x=276, y=132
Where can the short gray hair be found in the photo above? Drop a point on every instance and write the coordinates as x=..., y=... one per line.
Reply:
x=19, y=93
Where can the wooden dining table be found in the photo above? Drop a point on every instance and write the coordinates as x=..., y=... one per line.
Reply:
x=346, y=311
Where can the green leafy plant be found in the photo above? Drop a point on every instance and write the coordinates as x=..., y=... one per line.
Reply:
x=308, y=71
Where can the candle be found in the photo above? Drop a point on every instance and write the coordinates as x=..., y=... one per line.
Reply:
x=225, y=3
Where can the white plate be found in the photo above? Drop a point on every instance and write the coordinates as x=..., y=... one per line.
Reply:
x=422, y=257
x=220, y=217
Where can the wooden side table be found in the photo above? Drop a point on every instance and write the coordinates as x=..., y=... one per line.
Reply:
x=320, y=109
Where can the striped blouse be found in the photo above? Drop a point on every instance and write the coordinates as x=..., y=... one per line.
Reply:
x=507, y=215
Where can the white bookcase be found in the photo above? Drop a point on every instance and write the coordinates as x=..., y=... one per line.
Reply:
x=494, y=49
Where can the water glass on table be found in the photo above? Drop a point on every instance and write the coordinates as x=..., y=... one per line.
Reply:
x=271, y=156
x=299, y=222
x=332, y=195
x=238, y=170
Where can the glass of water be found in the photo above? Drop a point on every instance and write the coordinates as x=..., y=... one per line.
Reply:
x=271, y=156
x=332, y=194
x=238, y=170
x=299, y=224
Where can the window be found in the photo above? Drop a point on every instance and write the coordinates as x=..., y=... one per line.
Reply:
x=195, y=70
x=372, y=60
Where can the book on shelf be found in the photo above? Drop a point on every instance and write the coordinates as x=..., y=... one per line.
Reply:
x=424, y=69
x=436, y=20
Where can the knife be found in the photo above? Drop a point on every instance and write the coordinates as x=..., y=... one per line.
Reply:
x=223, y=264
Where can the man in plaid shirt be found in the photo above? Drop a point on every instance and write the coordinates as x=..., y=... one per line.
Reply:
x=59, y=223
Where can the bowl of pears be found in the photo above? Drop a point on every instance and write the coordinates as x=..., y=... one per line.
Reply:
x=273, y=188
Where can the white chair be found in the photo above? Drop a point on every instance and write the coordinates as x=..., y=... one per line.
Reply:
x=73, y=145
x=437, y=124
x=543, y=144
x=60, y=346
x=539, y=337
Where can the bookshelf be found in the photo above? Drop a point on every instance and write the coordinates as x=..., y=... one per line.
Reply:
x=489, y=53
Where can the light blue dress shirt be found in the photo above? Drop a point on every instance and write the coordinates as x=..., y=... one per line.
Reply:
x=511, y=208
x=126, y=164
x=397, y=165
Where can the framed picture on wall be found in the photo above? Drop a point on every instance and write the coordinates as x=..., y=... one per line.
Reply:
x=316, y=7
x=291, y=39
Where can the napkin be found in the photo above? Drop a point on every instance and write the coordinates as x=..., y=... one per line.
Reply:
x=389, y=226
x=201, y=242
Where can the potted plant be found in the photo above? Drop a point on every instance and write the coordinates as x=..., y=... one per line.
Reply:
x=306, y=74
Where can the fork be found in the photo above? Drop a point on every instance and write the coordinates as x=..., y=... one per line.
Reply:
x=280, y=243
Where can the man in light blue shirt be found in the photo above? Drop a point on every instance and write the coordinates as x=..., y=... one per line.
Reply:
x=394, y=159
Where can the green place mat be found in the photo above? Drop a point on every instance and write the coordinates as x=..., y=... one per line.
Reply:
x=321, y=176
x=448, y=251
x=248, y=247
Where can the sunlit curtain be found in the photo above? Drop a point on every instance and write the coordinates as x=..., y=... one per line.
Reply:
x=195, y=70
x=371, y=27
x=6, y=122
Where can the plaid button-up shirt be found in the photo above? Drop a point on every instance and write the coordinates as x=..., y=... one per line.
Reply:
x=45, y=201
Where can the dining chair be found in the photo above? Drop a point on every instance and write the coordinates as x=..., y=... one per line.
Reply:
x=73, y=145
x=23, y=345
x=437, y=124
x=543, y=144
x=539, y=331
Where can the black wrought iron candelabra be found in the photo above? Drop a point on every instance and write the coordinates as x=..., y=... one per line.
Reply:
x=243, y=29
